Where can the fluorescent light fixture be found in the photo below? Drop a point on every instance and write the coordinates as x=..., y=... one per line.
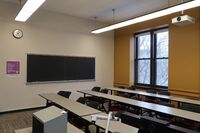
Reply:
x=28, y=9
x=150, y=16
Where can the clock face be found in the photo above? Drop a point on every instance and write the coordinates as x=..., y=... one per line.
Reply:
x=17, y=33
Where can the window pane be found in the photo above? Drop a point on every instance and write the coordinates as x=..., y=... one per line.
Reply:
x=144, y=46
x=144, y=71
x=162, y=72
x=162, y=44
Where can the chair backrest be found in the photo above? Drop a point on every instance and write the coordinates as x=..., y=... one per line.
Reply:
x=164, y=93
x=93, y=104
x=104, y=91
x=131, y=87
x=134, y=97
x=96, y=88
x=126, y=95
x=152, y=99
x=152, y=91
x=121, y=87
x=65, y=94
x=130, y=119
x=166, y=104
x=119, y=114
x=154, y=125
x=81, y=100
x=190, y=107
x=167, y=93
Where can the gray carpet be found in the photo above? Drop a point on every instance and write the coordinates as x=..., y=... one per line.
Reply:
x=12, y=121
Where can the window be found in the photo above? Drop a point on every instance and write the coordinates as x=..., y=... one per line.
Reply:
x=151, y=58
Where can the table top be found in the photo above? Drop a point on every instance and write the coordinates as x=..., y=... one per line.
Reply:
x=151, y=106
x=173, y=98
x=84, y=111
x=70, y=105
x=115, y=126
x=70, y=129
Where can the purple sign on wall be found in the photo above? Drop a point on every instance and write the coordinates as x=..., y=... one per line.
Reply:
x=12, y=67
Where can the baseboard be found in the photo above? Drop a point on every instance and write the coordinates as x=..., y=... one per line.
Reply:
x=194, y=94
x=19, y=110
x=121, y=84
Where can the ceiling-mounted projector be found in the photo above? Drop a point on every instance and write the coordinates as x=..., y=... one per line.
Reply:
x=183, y=20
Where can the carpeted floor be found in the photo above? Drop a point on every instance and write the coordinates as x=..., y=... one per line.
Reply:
x=12, y=121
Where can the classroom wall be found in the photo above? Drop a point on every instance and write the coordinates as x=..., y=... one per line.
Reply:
x=184, y=54
x=49, y=33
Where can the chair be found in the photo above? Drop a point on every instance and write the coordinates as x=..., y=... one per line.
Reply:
x=123, y=94
x=92, y=98
x=162, y=115
x=65, y=94
x=119, y=93
x=93, y=104
x=116, y=105
x=82, y=100
x=119, y=106
x=121, y=87
x=134, y=109
x=151, y=91
x=132, y=87
x=152, y=125
x=119, y=114
x=164, y=93
x=128, y=95
x=103, y=101
x=190, y=107
x=79, y=122
x=135, y=97
x=167, y=93
x=188, y=123
x=130, y=119
x=104, y=91
x=96, y=88
x=149, y=98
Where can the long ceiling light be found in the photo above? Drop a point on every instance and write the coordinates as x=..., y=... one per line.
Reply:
x=28, y=9
x=150, y=16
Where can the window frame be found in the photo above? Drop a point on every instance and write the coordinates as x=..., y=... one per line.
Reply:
x=153, y=58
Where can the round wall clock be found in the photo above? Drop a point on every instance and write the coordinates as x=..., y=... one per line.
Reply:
x=17, y=33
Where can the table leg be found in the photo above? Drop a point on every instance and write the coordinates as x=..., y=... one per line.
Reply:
x=179, y=104
x=87, y=129
x=48, y=103
x=97, y=129
x=109, y=104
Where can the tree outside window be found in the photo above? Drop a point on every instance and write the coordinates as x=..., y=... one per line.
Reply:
x=151, y=58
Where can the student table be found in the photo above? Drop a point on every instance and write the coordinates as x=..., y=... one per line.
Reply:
x=83, y=111
x=70, y=105
x=172, y=98
x=115, y=126
x=150, y=106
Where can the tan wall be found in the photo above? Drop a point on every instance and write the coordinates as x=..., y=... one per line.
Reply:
x=121, y=61
x=184, y=53
x=55, y=34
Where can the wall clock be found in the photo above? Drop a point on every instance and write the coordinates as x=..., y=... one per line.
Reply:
x=17, y=33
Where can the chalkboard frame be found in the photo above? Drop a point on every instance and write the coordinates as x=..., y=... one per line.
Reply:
x=60, y=81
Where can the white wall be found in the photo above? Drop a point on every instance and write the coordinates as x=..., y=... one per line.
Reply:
x=49, y=33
